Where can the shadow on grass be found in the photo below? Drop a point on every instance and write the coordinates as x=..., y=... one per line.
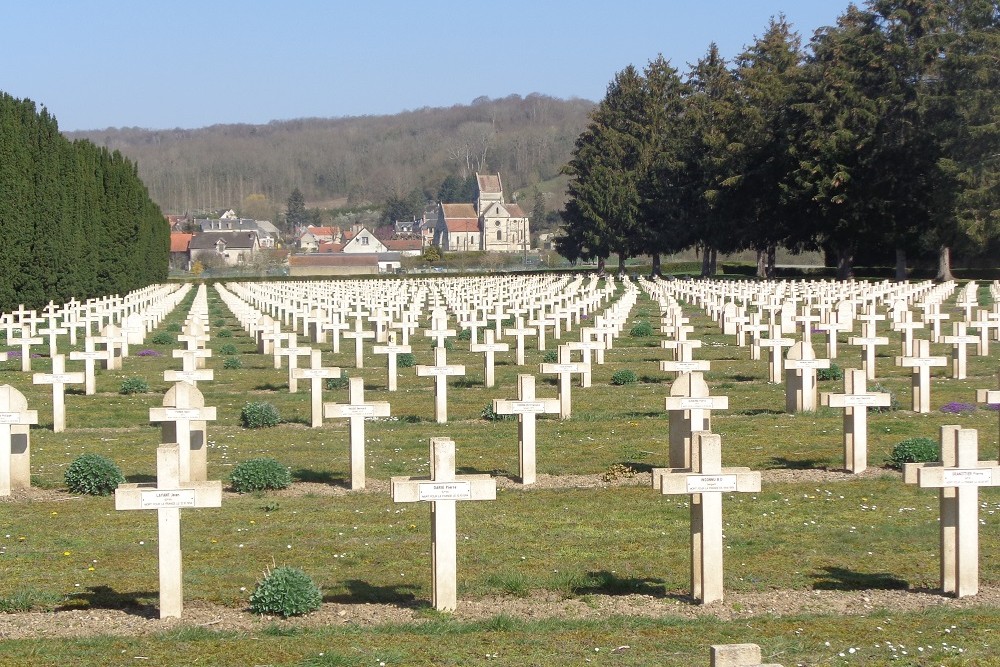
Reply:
x=412, y=419
x=467, y=383
x=609, y=583
x=298, y=419
x=494, y=472
x=319, y=477
x=270, y=386
x=780, y=462
x=840, y=579
x=760, y=411
x=649, y=379
x=649, y=413
x=362, y=591
x=743, y=378
x=140, y=479
x=105, y=597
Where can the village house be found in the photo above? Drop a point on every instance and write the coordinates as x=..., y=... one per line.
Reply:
x=267, y=234
x=491, y=224
x=229, y=248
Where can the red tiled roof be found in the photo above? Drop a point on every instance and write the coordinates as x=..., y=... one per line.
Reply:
x=462, y=225
x=489, y=182
x=179, y=241
x=321, y=231
x=459, y=211
x=516, y=211
x=327, y=246
x=333, y=259
x=398, y=245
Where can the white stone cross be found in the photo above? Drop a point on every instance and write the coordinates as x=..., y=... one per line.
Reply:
x=921, y=364
x=689, y=409
x=439, y=327
x=90, y=356
x=271, y=341
x=959, y=358
x=293, y=352
x=855, y=401
x=489, y=348
x=356, y=411
x=706, y=480
x=983, y=325
x=440, y=372
x=58, y=378
x=519, y=332
x=585, y=346
x=15, y=449
x=359, y=334
x=989, y=396
x=800, y=378
x=775, y=356
x=959, y=475
x=564, y=368
x=392, y=350
x=25, y=341
x=868, y=343
x=526, y=407
x=183, y=420
x=317, y=375
x=167, y=497
x=442, y=490
x=906, y=325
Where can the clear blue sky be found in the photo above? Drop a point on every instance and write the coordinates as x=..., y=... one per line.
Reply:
x=180, y=63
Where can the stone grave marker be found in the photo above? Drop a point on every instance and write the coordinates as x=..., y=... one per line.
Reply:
x=392, y=350
x=737, y=655
x=25, y=341
x=356, y=411
x=958, y=477
x=293, y=352
x=989, y=396
x=442, y=490
x=775, y=356
x=959, y=357
x=317, y=375
x=167, y=497
x=526, y=407
x=489, y=347
x=689, y=408
x=564, y=368
x=868, y=342
x=183, y=420
x=855, y=401
x=89, y=356
x=359, y=334
x=439, y=327
x=58, y=378
x=15, y=441
x=800, y=378
x=921, y=365
x=705, y=481
x=519, y=332
x=440, y=372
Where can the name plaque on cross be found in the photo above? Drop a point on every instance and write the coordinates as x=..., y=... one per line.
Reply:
x=697, y=403
x=525, y=407
x=18, y=417
x=444, y=491
x=155, y=499
x=187, y=413
x=857, y=400
x=711, y=483
x=966, y=477
x=309, y=373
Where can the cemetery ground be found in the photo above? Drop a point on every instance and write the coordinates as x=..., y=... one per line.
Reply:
x=588, y=565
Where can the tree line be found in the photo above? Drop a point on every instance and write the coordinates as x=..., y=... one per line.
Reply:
x=75, y=219
x=878, y=143
x=350, y=162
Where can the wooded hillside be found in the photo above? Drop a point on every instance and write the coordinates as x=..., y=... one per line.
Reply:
x=75, y=219
x=351, y=161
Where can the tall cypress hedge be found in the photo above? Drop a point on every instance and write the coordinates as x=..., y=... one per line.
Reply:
x=75, y=220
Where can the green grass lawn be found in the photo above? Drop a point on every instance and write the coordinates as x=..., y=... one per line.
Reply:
x=867, y=533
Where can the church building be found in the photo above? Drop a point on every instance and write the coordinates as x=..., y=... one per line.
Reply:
x=490, y=224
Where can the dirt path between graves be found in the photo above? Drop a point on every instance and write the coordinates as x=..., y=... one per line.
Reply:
x=538, y=605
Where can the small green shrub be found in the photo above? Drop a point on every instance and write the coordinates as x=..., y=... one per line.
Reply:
x=162, y=338
x=287, y=591
x=229, y=350
x=134, y=385
x=488, y=414
x=224, y=333
x=406, y=360
x=641, y=329
x=914, y=450
x=259, y=475
x=338, y=383
x=93, y=475
x=175, y=327
x=233, y=363
x=465, y=334
x=550, y=357
x=219, y=322
x=624, y=376
x=834, y=372
x=879, y=388
x=259, y=414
